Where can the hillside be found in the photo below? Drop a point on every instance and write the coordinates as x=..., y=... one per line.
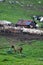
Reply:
x=32, y=53
x=13, y=10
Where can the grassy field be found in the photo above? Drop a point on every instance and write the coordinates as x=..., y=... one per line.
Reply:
x=32, y=53
x=13, y=12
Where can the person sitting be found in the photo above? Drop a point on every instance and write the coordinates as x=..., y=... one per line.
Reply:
x=11, y=50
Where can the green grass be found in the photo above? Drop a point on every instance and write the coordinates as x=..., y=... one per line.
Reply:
x=32, y=53
x=13, y=12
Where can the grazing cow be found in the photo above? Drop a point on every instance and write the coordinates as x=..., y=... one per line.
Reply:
x=36, y=17
x=40, y=18
x=19, y=49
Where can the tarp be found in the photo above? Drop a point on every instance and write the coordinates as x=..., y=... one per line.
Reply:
x=24, y=22
x=27, y=23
